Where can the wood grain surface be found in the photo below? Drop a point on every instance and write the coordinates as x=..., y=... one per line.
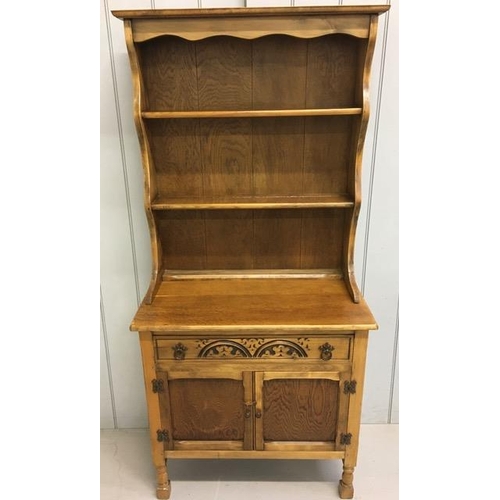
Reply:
x=300, y=410
x=254, y=304
x=246, y=12
x=252, y=239
x=224, y=73
x=169, y=73
x=207, y=409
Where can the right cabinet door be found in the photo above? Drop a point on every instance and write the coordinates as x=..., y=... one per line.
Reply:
x=305, y=411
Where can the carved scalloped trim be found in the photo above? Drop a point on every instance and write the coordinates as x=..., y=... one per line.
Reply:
x=253, y=348
x=252, y=27
x=194, y=37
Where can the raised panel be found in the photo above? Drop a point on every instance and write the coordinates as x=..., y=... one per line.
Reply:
x=207, y=409
x=300, y=410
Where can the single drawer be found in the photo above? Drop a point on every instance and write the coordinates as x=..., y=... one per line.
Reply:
x=324, y=348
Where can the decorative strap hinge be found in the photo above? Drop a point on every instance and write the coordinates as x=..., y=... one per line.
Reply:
x=345, y=439
x=162, y=435
x=350, y=387
x=158, y=385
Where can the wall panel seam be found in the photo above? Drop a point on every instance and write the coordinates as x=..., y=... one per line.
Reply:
x=122, y=151
x=393, y=370
x=108, y=362
x=374, y=156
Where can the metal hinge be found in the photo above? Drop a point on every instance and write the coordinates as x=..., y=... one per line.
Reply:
x=345, y=438
x=162, y=435
x=157, y=385
x=350, y=387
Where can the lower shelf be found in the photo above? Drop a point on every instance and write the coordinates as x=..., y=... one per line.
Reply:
x=252, y=202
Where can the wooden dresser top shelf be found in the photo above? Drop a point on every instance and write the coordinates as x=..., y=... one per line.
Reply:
x=253, y=304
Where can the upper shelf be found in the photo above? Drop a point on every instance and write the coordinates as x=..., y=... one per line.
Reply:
x=244, y=12
x=249, y=113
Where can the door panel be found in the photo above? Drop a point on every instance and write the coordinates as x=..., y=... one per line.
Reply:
x=209, y=410
x=299, y=411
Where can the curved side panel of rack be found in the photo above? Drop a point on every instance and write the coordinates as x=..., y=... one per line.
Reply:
x=349, y=274
x=150, y=189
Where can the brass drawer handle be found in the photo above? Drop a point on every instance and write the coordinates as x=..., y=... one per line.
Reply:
x=258, y=413
x=179, y=351
x=326, y=351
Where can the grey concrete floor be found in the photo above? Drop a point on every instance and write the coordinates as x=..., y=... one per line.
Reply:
x=127, y=472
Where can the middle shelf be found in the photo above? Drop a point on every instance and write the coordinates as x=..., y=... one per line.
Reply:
x=250, y=113
x=252, y=202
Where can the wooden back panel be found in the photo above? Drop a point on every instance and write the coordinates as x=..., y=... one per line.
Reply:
x=252, y=239
x=230, y=157
x=273, y=72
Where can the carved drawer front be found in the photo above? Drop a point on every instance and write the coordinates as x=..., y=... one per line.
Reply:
x=305, y=348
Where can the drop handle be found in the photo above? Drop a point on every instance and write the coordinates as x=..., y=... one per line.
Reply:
x=326, y=351
x=179, y=351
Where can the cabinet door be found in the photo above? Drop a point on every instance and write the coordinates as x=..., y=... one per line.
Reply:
x=207, y=411
x=300, y=411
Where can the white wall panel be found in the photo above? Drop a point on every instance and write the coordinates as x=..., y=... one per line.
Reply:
x=210, y=4
x=364, y=2
x=394, y=416
x=118, y=270
x=125, y=247
x=312, y=3
x=380, y=272
x=129, y=146
x=106, y=407
x=269, y=3
x=176, y=4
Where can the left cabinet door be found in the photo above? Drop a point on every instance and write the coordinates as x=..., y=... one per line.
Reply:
x=207, y=411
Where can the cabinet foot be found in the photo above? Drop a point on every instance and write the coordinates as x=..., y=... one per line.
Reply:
x=163, y=483
x=346, y=489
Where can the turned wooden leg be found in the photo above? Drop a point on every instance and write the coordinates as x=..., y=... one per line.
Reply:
x=346, y=489
x=163, y=483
